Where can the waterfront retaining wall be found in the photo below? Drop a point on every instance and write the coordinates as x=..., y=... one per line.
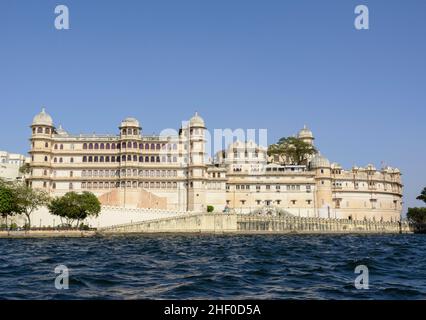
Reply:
x=249, y=224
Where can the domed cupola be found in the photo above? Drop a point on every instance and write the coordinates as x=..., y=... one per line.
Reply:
x=319, y=161
x=130, y=126
x=197, y=121
x=43, y=119
x=306, y=135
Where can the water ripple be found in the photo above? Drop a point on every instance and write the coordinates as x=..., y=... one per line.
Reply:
x=215, y=267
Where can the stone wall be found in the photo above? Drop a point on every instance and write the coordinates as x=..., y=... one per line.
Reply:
x=248, y=224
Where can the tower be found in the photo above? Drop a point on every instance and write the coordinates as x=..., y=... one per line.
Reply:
x=323, y=190
x=196, y=164
x=41, y=151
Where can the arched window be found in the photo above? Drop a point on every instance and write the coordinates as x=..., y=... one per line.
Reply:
x=123, y=145
x=102, y=146
x=135, y=132
x=55, y=160
x=96, y=146
x=118, y=146
x=158, y=146
x=163, y=159
x=152, y=146
x=123, y=158
x=129, y=144
x=108, y=146
x=62, y=147
x=101, y=159
x=135, y=158
x=72, y=160
x=39, y=130
x=61, y=160
x=146, y=146
x=56, y=147
x=46, y=145
x=135, y=145
x=113, y=146
x=174, y=159
x=112, y=159
x=141, y=146
x=157, y=159
x=174, y=146
x=47, y=130
x=90, y=159
x=118, y=158
x=106, y=159
x=90, y=146
x=96, y=159
x=85, y=159
x=84, y=146
x=152, y=159
x=34, y=130
x=140, y=159
x=129, y=158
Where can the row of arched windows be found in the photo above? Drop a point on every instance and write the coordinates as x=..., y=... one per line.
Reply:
x=41, y=130
x=129, y=145
x=130, y=131
x=129, y=173
x=129, y=184
x=129, y=158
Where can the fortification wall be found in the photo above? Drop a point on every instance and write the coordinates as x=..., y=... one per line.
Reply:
x=248, y=224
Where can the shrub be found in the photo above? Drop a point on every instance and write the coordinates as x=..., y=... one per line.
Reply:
x=210, y=209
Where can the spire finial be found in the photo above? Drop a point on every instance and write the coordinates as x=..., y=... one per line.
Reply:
x=43, y=110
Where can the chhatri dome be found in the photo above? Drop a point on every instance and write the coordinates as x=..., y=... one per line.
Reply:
x=319, y=161
x=305, y=133
x=130, y=122
x=196, y=121
x=43, y=118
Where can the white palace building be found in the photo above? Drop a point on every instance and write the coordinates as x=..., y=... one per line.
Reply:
x=134, y=170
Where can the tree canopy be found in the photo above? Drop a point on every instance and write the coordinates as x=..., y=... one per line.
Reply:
x=29, y=200
x=422, y=196
x=75, y=207
x=418, y=215
x=7, y=201
x=292, y=150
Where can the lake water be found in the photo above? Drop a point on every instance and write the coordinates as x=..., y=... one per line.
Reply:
x=215, y=267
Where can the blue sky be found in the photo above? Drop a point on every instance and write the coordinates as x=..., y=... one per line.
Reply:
x=240, y=64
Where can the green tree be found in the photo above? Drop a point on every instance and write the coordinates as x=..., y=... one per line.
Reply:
x=417, y=215
x=292, y=150
x=7, y=200
x=25, y=168
x=210, y=209
x=422, y=196
x=75, y=207
x=29, y=200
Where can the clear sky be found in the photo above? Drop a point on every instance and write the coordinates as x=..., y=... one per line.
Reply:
x=239, y=63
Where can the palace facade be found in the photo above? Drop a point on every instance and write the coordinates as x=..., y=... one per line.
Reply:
x=131, y=169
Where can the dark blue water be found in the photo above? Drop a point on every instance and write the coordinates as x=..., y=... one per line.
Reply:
x=215, y=267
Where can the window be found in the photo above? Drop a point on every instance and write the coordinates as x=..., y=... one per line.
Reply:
x=84, y=146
